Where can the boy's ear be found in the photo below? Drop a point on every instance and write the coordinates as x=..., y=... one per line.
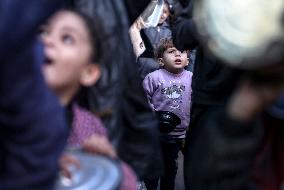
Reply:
x=161, y=62
x=90, y=75
x=187, y=61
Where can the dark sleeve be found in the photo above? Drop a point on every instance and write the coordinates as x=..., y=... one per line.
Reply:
x=138, y=143
x=32, y=124
x=184, y=30
x=184, y=34
x=149, y=51
x=17, y=25
x=135, y=8
x=119, y=95
x=223, y=152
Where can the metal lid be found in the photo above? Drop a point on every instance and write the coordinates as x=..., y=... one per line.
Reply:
x=245, y=34
x=96, y=172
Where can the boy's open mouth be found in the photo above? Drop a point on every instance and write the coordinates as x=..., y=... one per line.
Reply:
x=178, y=61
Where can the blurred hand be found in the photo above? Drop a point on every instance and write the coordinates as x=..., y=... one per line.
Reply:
x=256, y=92
x=99, y=144
x=66, y=162
x=139, y=23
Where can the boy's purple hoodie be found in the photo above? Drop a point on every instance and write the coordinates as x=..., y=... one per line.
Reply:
x=170, y=92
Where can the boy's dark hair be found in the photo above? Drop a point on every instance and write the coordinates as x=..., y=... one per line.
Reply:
x=163, y=46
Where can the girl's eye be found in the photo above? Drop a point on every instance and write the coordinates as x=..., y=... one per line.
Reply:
x=68, y=39
x=43, y=32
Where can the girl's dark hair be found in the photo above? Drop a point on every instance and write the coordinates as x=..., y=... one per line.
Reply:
x=94, y=27
x=96, y=32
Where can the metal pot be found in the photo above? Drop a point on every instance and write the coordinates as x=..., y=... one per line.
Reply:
x=95, y=173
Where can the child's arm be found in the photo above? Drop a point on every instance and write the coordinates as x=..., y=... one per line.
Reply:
x=135, y=36
x=149, y=89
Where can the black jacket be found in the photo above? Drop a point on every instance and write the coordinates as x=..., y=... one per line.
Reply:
x=119, y=95
x=219, y=150
x=212, y=81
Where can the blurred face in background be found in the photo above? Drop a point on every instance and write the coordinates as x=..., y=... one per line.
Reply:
x=165, y=14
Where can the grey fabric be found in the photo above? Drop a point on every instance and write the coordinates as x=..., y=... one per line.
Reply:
x=219, y=151
x=152, y=37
